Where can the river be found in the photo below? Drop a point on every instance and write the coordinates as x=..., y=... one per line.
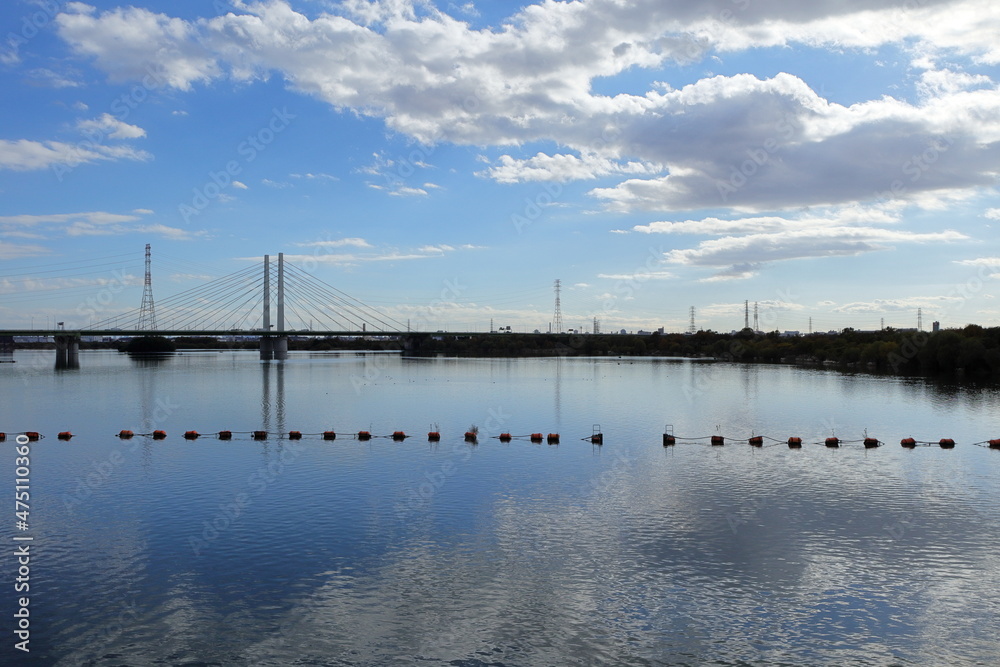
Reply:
x=395, y=552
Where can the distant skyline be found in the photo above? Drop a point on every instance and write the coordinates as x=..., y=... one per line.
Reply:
x=446, y=162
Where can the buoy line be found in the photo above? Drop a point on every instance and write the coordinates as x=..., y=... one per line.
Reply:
x=472, y=436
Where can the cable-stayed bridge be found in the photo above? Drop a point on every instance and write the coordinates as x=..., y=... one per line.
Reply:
x=268, y=302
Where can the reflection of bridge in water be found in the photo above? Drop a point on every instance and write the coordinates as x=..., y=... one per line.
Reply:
x=239, y=306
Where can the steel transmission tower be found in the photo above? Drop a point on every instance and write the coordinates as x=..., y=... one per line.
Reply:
x=920, y=319
x=691, y=328
x=557, y=319
x=147, y=313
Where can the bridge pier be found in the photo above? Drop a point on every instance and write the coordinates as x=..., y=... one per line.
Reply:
x=67, y=351
x=273, y=347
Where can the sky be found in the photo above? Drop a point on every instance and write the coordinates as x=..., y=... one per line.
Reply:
x=833, y=162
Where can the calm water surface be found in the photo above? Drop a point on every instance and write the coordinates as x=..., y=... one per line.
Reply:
x=313, y=552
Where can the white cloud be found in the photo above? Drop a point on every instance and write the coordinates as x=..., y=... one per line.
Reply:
x=980, y=261
x=408, y=192
x=992, y=213
x=240, y=185
x=725, y=141
x=773, y=240
x=280, y=185
x=26, y=155
x=931, y=304
x=638, y=277
x=54, y=79
x=108, y=126
x=89, y=217
x=315, y=177
x=375, y=255
x=96, y=223
x=17, y=250
x=337, y=243
x=562, y=168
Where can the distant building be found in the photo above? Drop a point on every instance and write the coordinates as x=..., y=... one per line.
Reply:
x=936, y=326
x=790, y=334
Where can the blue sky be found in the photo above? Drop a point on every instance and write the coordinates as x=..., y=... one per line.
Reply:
x=447, y=162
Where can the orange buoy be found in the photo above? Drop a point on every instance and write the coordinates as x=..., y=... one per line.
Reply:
x=833, y=442
x=794, y=442
x=364, y=435
x=505, y=437
x=669, y=440
x=597, y=439
x=294, y=435
x=65, y=435
x=191, y=435
x=32, y=435
x=434, y=436
x=553, y=438
x=471, y=436
x=718, y=441
x=909, y=443
x=757, y=441
x=329, y=435
x=994, y=444
x=125, y=434
x=871, y=442
x=536, y=437
x=159, y=435
x=3, y=436
x=398, y=435
x=260, y=435
x=946, y=443
x=225, y=435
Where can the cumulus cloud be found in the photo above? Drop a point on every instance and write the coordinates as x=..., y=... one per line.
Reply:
x=563, y=168
x=744, y=245
x=726, y=141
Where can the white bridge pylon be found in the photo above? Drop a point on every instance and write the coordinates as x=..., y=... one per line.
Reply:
x=240, y=304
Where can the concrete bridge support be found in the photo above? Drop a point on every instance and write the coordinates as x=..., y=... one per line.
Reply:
x=67, y=351
x=273, y=347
